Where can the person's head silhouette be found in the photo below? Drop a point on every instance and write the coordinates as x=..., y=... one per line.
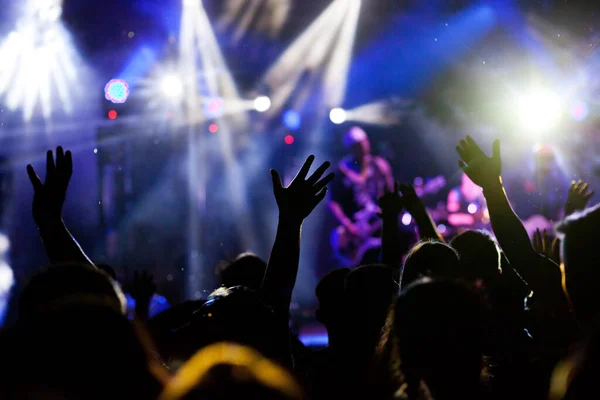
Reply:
x=429, y=259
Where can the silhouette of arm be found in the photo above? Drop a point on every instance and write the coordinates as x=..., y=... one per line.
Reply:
x=48, y=200
x=541, y=274
x=280, y=276
x=142, y=290
x=61, y=247
x=415, y=206
x=391, y=205
x=295, y=203
x=426, y=227
x=578, y=197
x=508, y=228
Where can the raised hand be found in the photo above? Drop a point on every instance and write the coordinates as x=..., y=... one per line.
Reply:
x=578, y=197
x=391, y=203
x=543, y=245
x=411, y=199
x=300, y=198
x=415, y=206
x=142, y=288
x=48, y=200
x=481, y=169
x=49, y=197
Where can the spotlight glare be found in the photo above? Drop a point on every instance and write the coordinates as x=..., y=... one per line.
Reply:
x=268, y=16
x=214, y=108
x=262, y=104
x=116, y=91
x=338, y=116
x=472, y=209
x=4, y=245
x=172, y=86
x=292, y=120
x=406, y=219
x=579, y=111
x=539, y=110
x=6, y=278
x=39, y=63
x=321, y=54
x=50, y=12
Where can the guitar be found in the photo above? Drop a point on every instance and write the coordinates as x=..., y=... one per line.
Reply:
x=350, y=249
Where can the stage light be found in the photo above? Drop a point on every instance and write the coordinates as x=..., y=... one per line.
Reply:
x=262, y=104
x=116, y=91
x=338, y=116
x=200, y=56
x=387, y=112
x=6, y=275
x=38, y=62
x=214, y=108
x=48, y=10
x=321, y=55
x=472, y=208
x=289, y=139
x=205, y=71
x=172, y=87
x=268, y=16
x=539, y=110
x=213, y=128
x=442, y=228
x=4, y=244
x=292, y=120
x=406, y=219
x=112, y=114
x=6, y=283
x=579, y=111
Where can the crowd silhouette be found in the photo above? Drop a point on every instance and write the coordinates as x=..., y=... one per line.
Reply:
x=480, y=317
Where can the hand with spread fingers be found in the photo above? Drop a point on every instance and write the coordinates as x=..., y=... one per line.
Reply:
x=142, y=286
x=412, y=201
x=49, y=197
x=543, y=244
x=483, y=170
x=48, y=200
x=578, y=197
x=295, y=203
x=300, y=198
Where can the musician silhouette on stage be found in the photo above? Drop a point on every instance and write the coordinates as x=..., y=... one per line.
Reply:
x=466, y=206
x=362, y=179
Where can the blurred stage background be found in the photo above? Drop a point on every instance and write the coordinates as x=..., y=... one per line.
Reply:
x=175, y=110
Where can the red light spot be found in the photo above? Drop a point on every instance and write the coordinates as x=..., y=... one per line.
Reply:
x=289, y=139
x=112, y=114
x=213, y=128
